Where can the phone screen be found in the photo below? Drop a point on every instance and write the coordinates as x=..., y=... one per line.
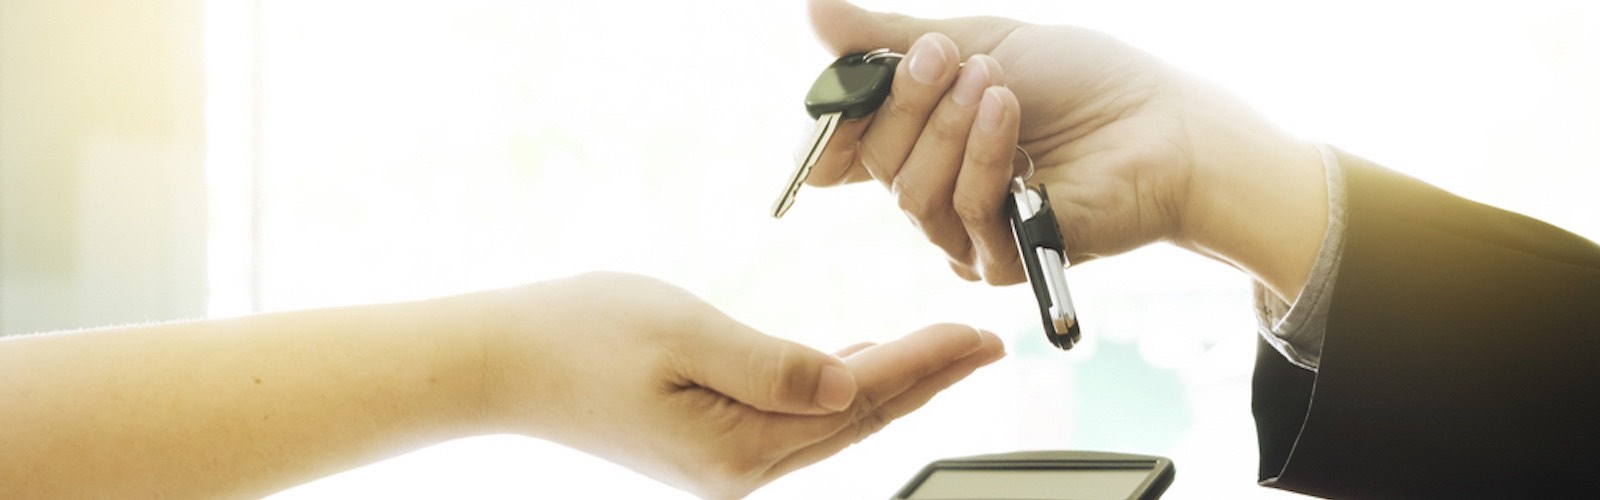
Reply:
x=1031, y=484
x=1043, y=475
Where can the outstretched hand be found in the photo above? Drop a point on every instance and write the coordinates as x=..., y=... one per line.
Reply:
x=652, y=378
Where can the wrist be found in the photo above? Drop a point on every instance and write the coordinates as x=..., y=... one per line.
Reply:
x=1258, y=201
x=449, y=333
x=522, y=379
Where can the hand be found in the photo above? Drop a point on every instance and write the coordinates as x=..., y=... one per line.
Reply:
x=643, y=374
x=1131, y=150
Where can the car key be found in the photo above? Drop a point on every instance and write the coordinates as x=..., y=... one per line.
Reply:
x=1043, y=253
x=852, y=87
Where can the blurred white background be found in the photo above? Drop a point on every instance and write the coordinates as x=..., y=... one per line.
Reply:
x=409, y=149
x=362, y=151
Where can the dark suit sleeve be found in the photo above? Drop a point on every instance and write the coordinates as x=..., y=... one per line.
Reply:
x=1462, y=357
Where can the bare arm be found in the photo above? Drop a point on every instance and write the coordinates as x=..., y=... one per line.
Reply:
x=234, y=406
x=624, y=367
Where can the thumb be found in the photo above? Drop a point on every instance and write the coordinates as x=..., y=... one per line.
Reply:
x=773, y=374
x=844, y=28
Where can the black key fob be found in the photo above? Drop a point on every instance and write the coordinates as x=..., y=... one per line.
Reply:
x=853, y=86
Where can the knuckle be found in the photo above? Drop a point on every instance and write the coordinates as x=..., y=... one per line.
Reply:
x=974, y=210
x=964, y=271
x=872, y=160
x=870, y=423
x=1004, y=274
x=949, y=126
x=906, y=102
x=911, y=201
x=959, y=249
x=788, y=376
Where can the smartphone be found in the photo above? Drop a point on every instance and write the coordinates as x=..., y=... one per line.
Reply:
x=1043, y=475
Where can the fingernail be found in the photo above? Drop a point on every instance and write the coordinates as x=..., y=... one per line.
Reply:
x=969, y=86
x=835, y=388
x=990, y=110
x=927, y=60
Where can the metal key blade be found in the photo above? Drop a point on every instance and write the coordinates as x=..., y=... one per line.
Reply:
x=802, y=169
x=852, y=87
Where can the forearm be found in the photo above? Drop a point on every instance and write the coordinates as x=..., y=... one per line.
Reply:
x=241, y=406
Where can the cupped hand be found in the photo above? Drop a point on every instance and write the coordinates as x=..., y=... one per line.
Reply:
x=648, y=376
x=1131, y=150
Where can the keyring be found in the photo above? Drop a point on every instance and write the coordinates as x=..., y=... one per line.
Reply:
x=1025, y=156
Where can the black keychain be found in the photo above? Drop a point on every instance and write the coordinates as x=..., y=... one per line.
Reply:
x=854, y=86
x=1043, y=253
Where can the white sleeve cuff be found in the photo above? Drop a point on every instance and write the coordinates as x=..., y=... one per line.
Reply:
x=1297, y=330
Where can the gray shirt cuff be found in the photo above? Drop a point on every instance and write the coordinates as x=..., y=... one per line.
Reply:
x=1296, y=330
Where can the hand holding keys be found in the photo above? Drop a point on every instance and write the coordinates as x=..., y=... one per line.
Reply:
x=854, y=86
